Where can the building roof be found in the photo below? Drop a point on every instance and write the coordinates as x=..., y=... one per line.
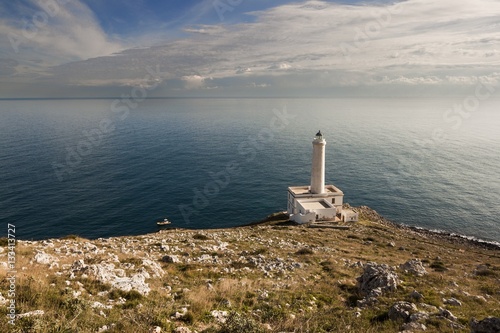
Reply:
x=304, y=191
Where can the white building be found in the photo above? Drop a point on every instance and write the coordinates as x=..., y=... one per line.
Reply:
x=317, y=202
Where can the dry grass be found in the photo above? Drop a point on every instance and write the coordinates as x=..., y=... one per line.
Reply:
x=319, y=294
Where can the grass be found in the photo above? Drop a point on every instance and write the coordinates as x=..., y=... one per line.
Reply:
x=319, y=295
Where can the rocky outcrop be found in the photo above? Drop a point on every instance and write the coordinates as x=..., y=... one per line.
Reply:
x=414, y=267
x=221, y=270
x=402, y=311
x=44, y=258
x=452, y=301
x=107, y=273
x=375, y=281
x=377, y=277
x=171, y=259
x=487, y=325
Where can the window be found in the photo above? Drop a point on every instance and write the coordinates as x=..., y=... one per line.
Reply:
x=333, y=200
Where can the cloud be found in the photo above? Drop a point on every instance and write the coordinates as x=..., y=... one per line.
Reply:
x=8, y=66
x=311, y=45
x=205, y=29
x=193, y=81
x=281, y=66
x=240, y=70
x=55, y=32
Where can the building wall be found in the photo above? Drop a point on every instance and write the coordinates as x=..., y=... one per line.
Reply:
x=303, y=218
x=349, y=216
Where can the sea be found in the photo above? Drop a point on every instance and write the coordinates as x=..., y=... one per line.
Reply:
x=107, y=167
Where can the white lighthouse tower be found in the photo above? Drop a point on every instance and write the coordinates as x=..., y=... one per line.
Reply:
x=318, y=165
x=317, y=201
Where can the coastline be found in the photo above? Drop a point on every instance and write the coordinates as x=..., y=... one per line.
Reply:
x=269, y=276
x=365, y=212
x=372, y=215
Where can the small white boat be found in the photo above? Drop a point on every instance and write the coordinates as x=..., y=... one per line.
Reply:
x=164, y=222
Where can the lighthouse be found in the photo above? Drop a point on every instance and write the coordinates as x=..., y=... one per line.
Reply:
x=317, y=202
x=318, y=165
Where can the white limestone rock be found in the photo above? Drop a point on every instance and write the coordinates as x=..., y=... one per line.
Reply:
x=103, y=329
x=428, y=307
x=182, y=329
x=31, y=314
x=419, y=316
x=377, y=276
x=414, y=267
x=106, y=273
x=402, y=310
x=154, y=267
x=452, y=301
x=219, y=316
x=135, y=282
x=413, y=327
x=44, y=258
x=447, y=314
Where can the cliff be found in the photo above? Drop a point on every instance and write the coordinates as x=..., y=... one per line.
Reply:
x=272, y=276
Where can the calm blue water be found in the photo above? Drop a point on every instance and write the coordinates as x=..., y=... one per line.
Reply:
x=77, y=167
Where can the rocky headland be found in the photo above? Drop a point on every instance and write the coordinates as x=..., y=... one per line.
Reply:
x=272, y=276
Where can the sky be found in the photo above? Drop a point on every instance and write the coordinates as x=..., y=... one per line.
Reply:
x=250, y=48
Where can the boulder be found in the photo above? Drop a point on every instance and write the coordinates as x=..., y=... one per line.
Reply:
x=154, y=267
x=414, y=326
x=414, y=267
x=135, y=282
x=487, y=325
x=377, y=276
x=78, y=266
x=482, y=270
x=419, y=317
x=402, y=311
x=106, y=273
x=219, y=316
x=44, y=258
x=452, y=301
x=416, y=295
x=447, y=314
x=171, y=259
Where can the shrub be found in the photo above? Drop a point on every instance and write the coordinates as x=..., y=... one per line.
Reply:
x=237, y=323
x=93, y=286
x=200, y=237
x=188, y=318
x=71, y=236
x=438, y=266
x=4, y=241
x=262, y=250
x=133, y=261
x=304, y=251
